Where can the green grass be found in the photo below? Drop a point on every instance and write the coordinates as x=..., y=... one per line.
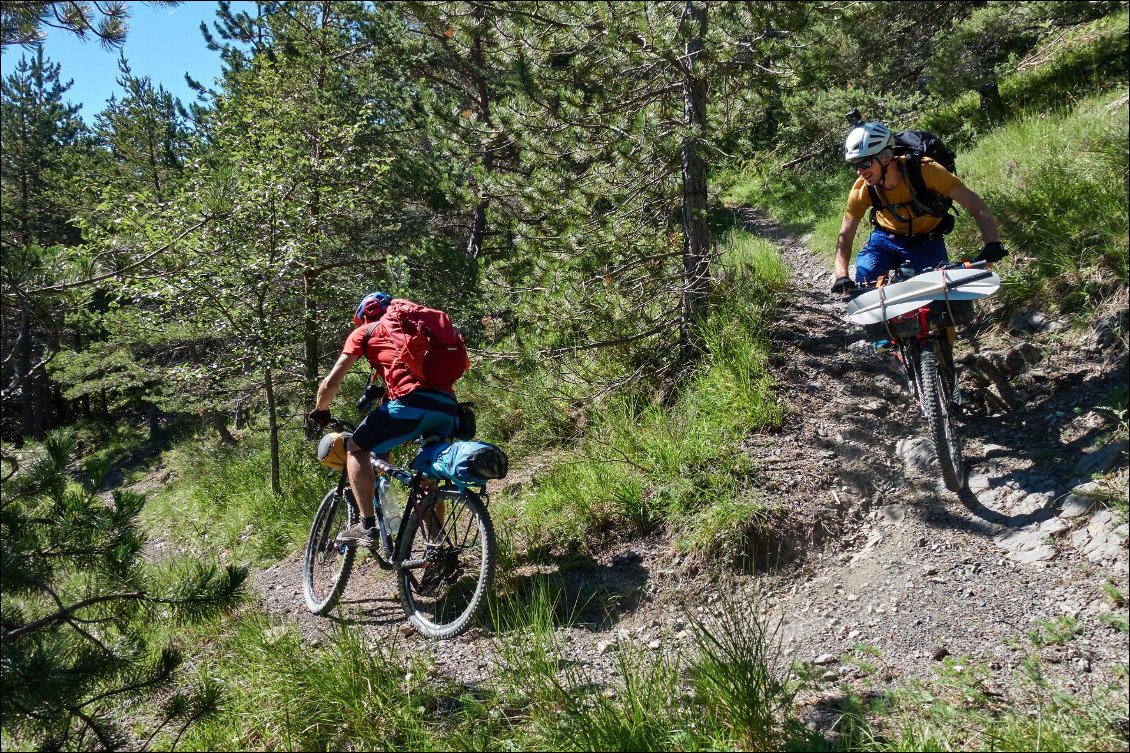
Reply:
x=730, y=692
x=281, y=695
x=646, y=464
x=1057, y=185
x=222, y=499
x=1059, y=631
x=957, y=710
x=800, y=199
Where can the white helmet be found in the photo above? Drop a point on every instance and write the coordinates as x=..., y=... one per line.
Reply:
x=867, y=140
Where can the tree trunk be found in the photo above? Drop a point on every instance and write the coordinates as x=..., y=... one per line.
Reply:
x=696, y=233
x=486, y=158
x=310, y=335
x=990, y=96
x=154, y=423
x=31, y=417
x=273, y=425
x=220, y=423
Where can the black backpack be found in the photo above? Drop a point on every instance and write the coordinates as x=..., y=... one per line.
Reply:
x=915, y=145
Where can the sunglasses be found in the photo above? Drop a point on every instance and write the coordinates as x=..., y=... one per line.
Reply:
x=863, y=164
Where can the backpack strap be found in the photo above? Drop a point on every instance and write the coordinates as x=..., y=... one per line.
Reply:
x=911, y=172
x=913, y=175
x=365, y=342
x=365, y=349
x=879, y=202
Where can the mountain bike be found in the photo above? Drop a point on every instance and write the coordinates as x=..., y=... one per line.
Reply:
x=442, y=551
x=914, y=314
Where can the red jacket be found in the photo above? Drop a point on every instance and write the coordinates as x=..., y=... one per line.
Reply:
x=382, y=356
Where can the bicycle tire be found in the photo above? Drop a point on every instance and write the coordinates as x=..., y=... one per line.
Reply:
x=444, y=594
x=937, y=392
x=327, y=566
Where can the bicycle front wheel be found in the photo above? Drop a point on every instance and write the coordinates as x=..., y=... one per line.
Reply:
x=327, y=564
x=937, y=384
x=446, y=563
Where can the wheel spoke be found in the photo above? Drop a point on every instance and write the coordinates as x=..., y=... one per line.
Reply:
x=444, y=594
x=326, y=566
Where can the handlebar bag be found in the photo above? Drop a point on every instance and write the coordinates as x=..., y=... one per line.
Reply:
x=462, y=462
x=907, y=324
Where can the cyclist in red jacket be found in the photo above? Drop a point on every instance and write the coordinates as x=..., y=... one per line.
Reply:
x=410, y=409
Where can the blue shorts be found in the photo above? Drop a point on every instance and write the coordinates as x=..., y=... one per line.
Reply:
x=885, y=251
x=420, y=413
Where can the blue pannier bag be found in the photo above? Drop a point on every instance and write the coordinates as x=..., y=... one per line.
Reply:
x=462, y=462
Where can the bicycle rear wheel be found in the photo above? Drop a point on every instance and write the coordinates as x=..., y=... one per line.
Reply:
x=327, y=565
x=937, y=384
x=447, y=563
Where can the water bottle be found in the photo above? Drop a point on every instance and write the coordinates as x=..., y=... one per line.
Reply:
x=390, y=508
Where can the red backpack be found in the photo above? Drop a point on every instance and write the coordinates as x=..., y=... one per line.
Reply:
x=425, y=341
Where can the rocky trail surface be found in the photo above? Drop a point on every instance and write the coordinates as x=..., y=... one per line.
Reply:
x=878, y=564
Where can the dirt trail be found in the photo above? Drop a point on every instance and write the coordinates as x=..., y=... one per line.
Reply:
x=919, y=573
x=878, y=557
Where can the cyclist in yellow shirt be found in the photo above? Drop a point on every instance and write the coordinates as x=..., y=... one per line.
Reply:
x=904, y=231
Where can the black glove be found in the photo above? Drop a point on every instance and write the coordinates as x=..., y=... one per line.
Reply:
x=317, y=419
x=992, y=252
x=842, y=285
x=370, y=397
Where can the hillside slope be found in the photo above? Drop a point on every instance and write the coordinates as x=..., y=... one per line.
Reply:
x=882, y=574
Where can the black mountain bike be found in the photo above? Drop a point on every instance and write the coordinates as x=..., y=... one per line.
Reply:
x=443, y=551
x=922, y=340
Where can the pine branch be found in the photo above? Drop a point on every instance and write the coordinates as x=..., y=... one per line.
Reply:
x=64, y=613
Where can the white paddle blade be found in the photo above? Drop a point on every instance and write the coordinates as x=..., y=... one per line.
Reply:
x=891, y=301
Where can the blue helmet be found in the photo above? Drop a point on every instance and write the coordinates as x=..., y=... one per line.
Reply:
x=371, y=308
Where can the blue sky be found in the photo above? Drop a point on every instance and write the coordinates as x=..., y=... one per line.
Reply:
x=162, y=43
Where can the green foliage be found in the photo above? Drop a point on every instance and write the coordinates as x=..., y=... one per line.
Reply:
x=1066, y=66
x=23, y=22
x=282, y=695
x=808, y=199
x=519, y=166
x=737, y=676
x=1118, y=621
x=146, y=139
x=955, y=711
x=1057, y=184
x=727, y=693
x=79, y=602
x=645, y=463
x=41, y=132
x=1059, y=631
x=222, y=499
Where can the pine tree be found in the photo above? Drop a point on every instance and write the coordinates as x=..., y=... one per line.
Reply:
x=146, y=138
x=42, y=134
x=77, y=647
x=22, y=21
x=311, y=192
x=617, y=113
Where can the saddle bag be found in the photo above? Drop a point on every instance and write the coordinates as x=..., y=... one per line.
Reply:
x=462, y=462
